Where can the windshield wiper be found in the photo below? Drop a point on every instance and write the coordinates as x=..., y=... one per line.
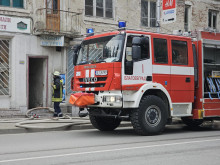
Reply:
x=100, y=61
x=83, y=62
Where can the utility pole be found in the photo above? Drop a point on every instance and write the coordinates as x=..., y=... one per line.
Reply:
x=158, y=16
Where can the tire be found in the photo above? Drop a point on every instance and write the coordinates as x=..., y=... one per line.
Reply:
x=104, y=123
x=151, y=116
x=193, y=123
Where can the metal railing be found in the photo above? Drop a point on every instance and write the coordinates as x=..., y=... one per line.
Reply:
x=57, y=21
x=4, y=67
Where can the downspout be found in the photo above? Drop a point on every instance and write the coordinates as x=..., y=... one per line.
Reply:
x=158, y=16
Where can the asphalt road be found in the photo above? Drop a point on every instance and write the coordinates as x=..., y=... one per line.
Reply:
x=177, y=145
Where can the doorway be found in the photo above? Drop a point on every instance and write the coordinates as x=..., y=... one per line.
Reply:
x=37, y=82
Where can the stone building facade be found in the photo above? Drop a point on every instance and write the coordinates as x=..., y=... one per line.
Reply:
x=36, y=38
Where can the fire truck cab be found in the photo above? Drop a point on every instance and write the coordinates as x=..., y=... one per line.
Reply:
x=147, y=78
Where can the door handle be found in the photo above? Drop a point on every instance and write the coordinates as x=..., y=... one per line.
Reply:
x=188, y=79
x=149, y=78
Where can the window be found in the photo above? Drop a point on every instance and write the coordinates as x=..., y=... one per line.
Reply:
x=88, y=7
x=179, y=52
x=103, y=49
x=52, y=6
x=212, y=22
x=108, y=9
x=145, y=53
x=4, y=67
x=99, y=8
x=186, y=18
x=12, y=3
x=148, y=13
x=160, y=51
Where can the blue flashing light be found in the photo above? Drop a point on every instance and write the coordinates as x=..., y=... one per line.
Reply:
x=121, y=24
x=90, y=30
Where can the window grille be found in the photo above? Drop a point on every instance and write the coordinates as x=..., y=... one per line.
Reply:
x=4, y=67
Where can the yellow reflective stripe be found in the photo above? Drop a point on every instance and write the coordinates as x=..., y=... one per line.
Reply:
x=57, y=99
x=61, y=89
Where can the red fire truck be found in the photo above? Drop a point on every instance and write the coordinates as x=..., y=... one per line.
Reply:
x=147, y=78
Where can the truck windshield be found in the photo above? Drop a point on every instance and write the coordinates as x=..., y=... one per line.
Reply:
x=104, y=49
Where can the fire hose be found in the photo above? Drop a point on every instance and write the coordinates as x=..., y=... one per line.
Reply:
x=66, y=120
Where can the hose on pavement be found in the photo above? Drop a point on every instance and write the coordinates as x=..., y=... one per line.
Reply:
x=65, y=121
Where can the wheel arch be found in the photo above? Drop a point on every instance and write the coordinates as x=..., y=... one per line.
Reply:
x=159, y=91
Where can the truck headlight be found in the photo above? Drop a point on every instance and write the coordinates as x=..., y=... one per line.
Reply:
x=112, y=99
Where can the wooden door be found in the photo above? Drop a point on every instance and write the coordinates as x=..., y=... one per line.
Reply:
x=53, y=15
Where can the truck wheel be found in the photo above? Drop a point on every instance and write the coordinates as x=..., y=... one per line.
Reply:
x=104, y=123
x=192, y=122
x=151, y=116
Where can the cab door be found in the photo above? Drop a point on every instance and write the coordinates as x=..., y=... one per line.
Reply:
x=139, y=71
x=182, y=71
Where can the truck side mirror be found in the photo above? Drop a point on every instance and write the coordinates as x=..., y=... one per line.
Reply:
x=75, y=53
x=136, y=48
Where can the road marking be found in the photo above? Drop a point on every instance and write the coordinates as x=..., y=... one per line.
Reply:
x=102, y=151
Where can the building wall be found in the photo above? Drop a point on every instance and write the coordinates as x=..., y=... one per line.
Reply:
x=25, y=45
x=22, y=47
x=130, y=11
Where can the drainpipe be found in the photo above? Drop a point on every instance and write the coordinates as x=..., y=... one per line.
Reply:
x=158, y=16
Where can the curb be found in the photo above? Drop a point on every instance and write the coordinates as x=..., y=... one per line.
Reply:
x=17, y=130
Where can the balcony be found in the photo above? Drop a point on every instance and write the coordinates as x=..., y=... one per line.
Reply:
x=57, y=22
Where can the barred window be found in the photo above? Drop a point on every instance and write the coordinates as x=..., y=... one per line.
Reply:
x=4, y=67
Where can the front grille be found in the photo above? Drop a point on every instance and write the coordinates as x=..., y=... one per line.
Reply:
x=100, y=83
x=98, y=79
x=92, y=85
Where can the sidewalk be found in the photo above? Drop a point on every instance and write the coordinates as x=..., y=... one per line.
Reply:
x=7, y=126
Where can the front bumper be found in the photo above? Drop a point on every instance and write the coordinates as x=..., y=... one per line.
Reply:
x=108, y=99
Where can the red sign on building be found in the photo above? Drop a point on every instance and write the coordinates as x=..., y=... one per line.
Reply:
x=169, y=4
x=169, y=11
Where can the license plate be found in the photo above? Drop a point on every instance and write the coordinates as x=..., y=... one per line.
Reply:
x=101, y=72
